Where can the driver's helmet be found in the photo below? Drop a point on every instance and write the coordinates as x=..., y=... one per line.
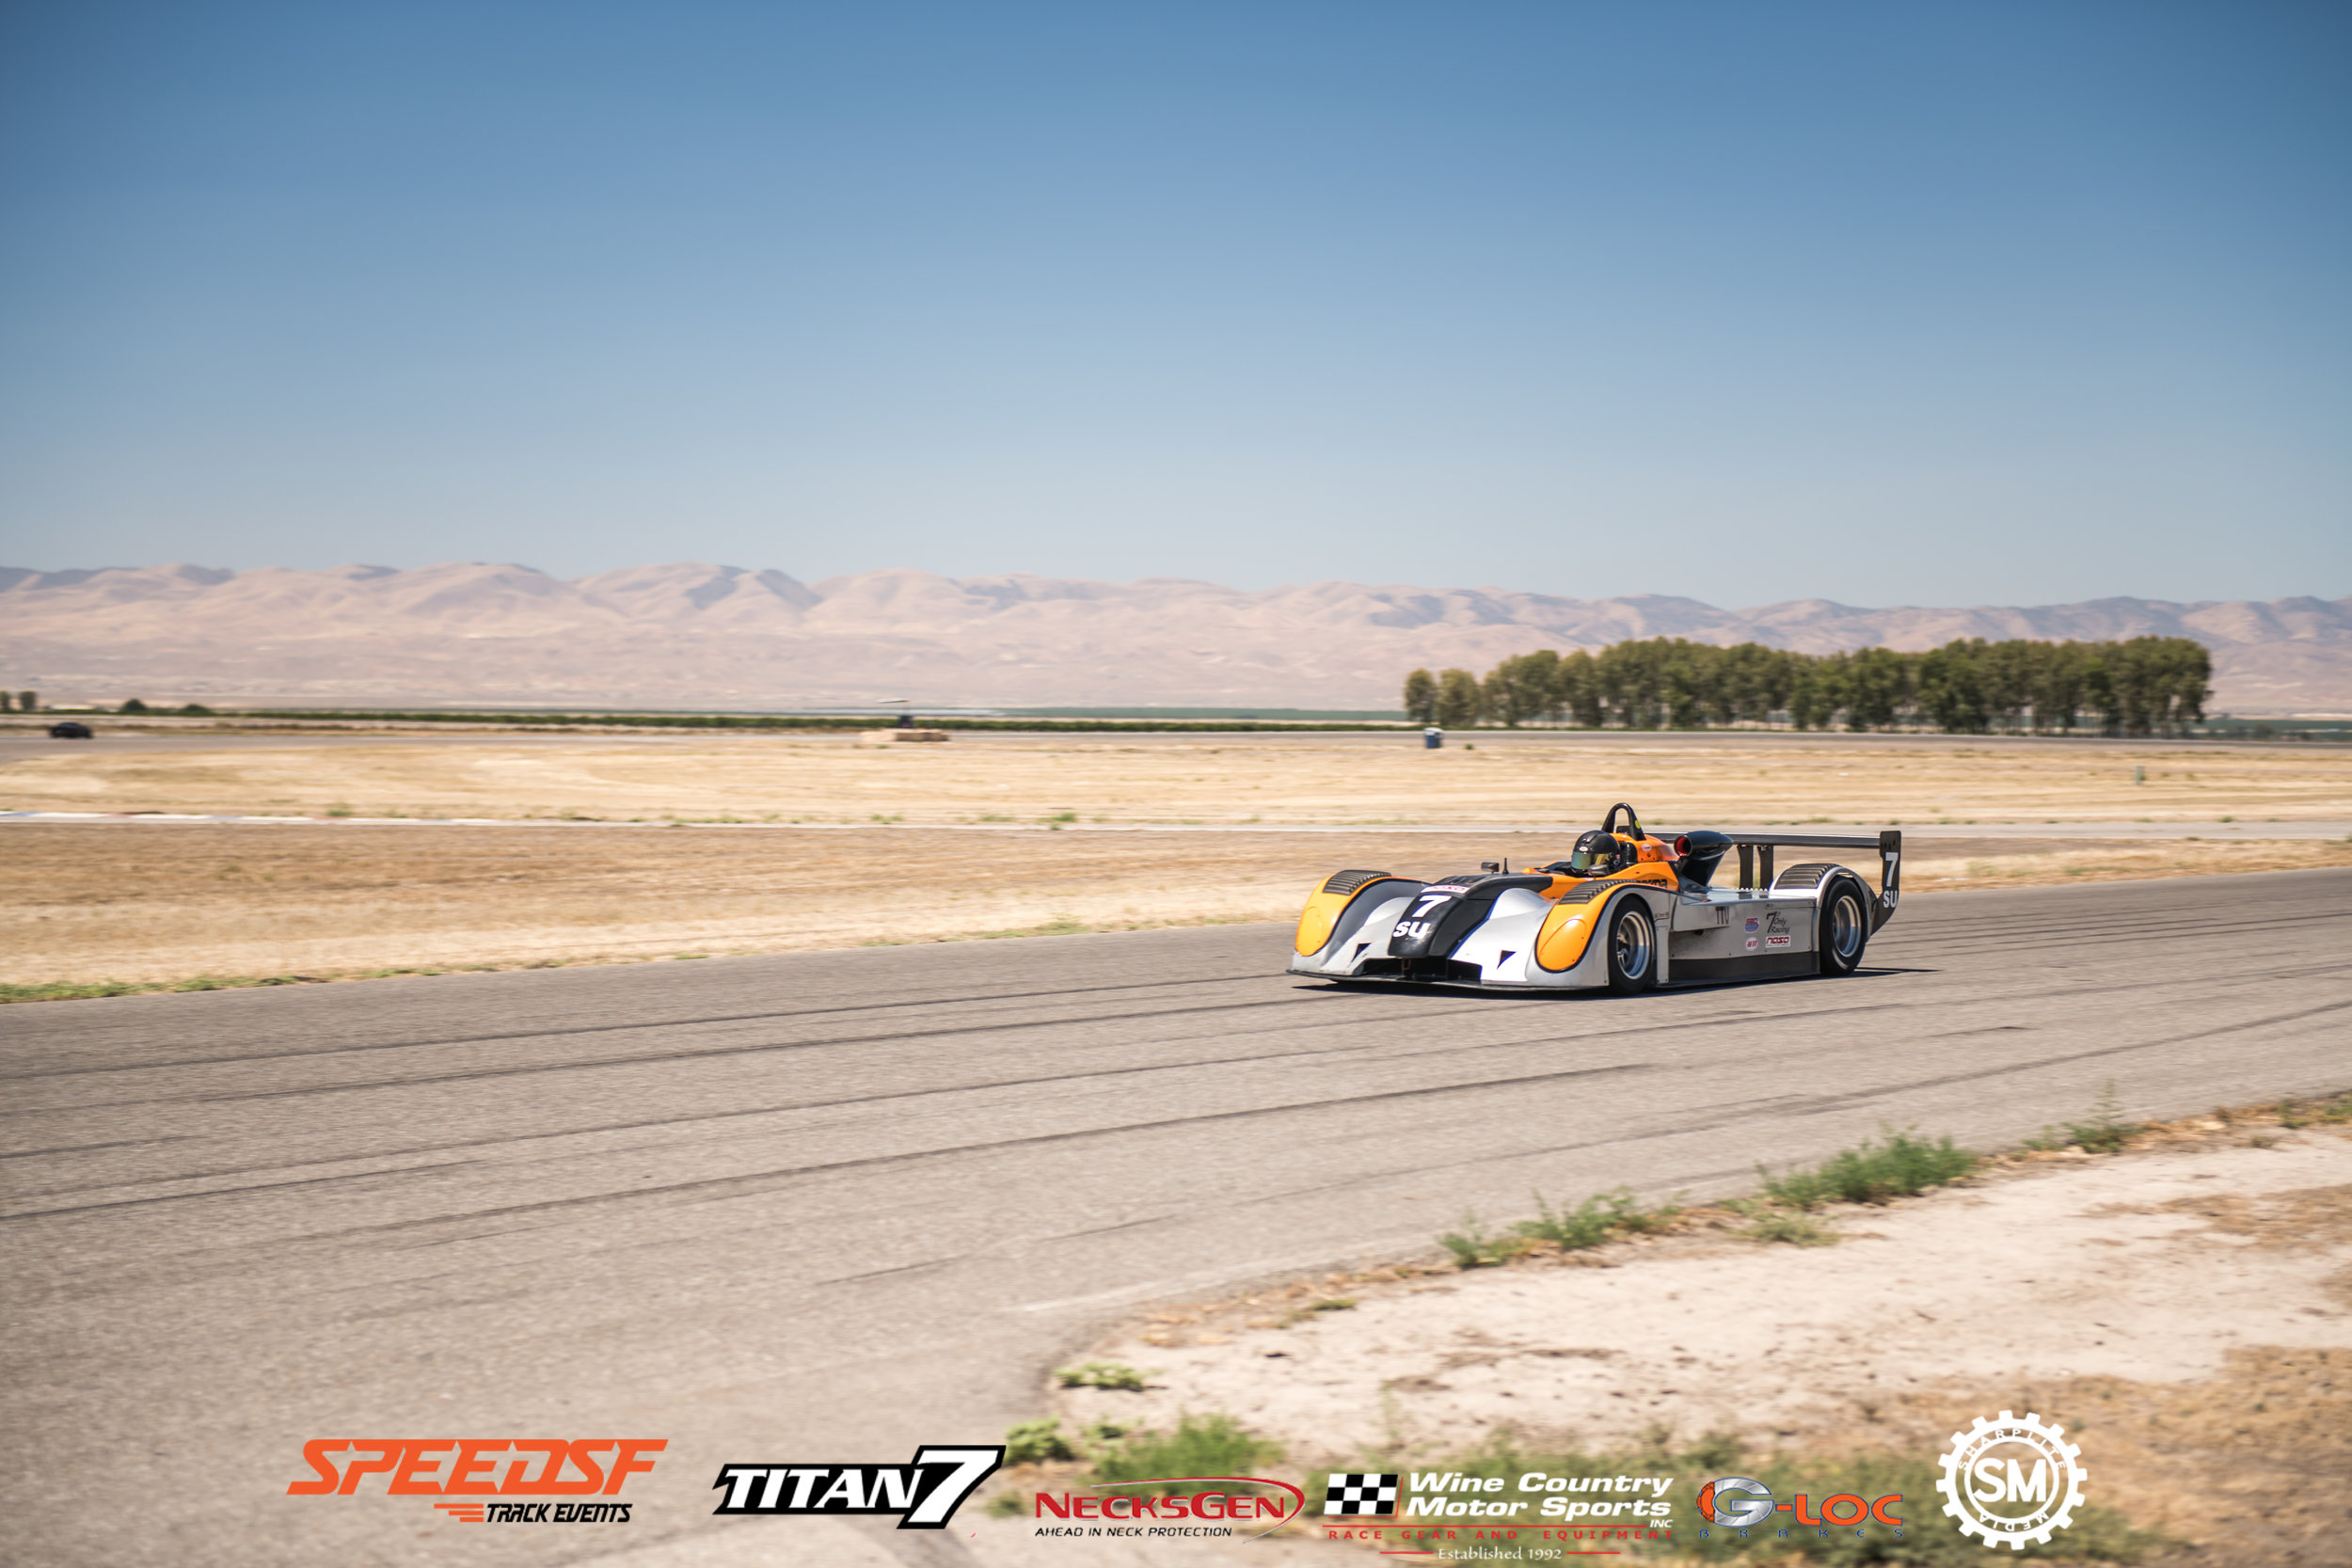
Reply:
x=1596, y=854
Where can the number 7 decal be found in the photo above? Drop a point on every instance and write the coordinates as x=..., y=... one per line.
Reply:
x=971, y=1467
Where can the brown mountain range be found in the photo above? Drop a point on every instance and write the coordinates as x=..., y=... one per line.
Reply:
x=689, y=635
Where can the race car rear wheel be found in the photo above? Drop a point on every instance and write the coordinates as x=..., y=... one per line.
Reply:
x=1633, y=947
x=1845, y=928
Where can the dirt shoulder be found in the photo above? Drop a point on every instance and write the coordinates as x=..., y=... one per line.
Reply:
x=166, y=903
x=1683, y=779
x=151, y=903
x=2184, y=1308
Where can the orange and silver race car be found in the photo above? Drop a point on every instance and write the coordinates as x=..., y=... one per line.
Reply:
x=1626, y=911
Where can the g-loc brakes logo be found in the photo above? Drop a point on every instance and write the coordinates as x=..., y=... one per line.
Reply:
x=469, y=1467
x=1739, y=1502
x=924, y=1493
x=2009, y=1507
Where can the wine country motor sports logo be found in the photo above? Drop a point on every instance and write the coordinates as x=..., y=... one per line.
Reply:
x=492, y=1475
x=924, y=1495
x=1361, y=1494
x=1991, y=1497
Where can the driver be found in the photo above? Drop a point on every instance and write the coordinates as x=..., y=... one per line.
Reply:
x=1596, y=854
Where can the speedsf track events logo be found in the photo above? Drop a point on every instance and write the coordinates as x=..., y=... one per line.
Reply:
x=498, y=1481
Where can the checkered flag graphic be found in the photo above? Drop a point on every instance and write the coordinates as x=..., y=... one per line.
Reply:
x=1353, y=1493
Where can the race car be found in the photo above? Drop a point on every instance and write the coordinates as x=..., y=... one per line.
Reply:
x=1625, y=912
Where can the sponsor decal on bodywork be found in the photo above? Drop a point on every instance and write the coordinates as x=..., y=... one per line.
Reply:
x=922, y=1495
x=1989, y=1493
x=1536, y=1515
x=486, y=1473
x=1170, y=1506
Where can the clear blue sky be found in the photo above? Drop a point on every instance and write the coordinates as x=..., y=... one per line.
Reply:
x=1887, y=302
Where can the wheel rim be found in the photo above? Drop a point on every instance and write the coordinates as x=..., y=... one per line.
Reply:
x=1633, y=945
x=1845, y=928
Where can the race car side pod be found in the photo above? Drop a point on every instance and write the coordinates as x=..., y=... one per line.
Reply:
x=1889, y=843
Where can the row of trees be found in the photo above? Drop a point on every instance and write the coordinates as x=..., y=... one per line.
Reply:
x=29, y=702
x=2142, y=686
x=185, y=710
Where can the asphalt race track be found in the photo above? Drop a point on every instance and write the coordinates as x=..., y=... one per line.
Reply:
x=834, y=1206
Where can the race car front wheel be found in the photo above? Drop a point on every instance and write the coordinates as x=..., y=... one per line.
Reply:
x=1632, y=948
x=1845, y=928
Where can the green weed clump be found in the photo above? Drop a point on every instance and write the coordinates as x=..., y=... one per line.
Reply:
x=1036, y=1443
x=1200, y=1446
x=1101, y=1375
x=1778, y=1225
x=1899, y=1166
x=2106, y=1131
x=2329, y=1113
x=1600, y=1218
x=1472, y=1249
x=75, y=991
x=72, y=990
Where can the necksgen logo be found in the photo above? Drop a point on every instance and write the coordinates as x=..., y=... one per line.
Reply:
x=924, y=1495
x=470, y=1467
x=1197, y=1499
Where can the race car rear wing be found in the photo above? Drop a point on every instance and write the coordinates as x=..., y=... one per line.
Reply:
x=1756, y=856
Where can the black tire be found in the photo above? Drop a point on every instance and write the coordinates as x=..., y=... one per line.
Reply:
x=1633, y=947
x=1844, y=927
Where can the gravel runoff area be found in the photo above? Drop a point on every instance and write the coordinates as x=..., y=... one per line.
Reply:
x=989, y=834
x=160, y=903
x=1554, y=777
x=2184, y=1308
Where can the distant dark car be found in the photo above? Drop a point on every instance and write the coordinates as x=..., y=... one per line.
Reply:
x=69, y=730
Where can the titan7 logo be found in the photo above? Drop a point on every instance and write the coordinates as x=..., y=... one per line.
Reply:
x=924, y=1495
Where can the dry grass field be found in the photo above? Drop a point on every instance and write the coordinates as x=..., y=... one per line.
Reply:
x=167, y=903
x=1517, y=777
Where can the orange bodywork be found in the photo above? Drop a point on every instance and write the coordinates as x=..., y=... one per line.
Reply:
x=1317, y=921
x=1567, y=930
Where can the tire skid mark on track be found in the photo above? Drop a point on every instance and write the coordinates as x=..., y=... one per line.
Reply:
x=611, y=1028
x=603, y=1063
x=1463, y=1006
x=398, y=1171
x=944, y=1092
x=2016, y=935
x=518, y=1140
x=1801, y=1104
x=1823, y=1104
x=1798, y=1105
x=720, y=1188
